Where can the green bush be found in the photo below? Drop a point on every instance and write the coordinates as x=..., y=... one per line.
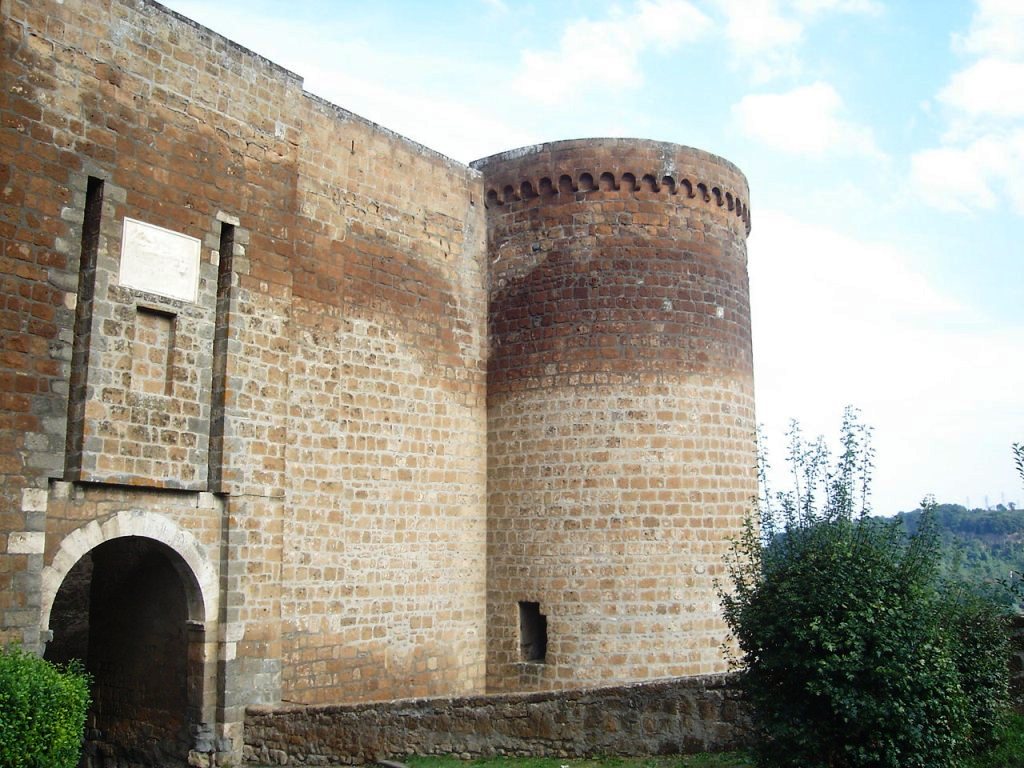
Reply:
x=42, y=711
x=979, y=634
x=852, y=652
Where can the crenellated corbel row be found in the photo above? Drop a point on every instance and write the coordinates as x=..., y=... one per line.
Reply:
x=546, y=187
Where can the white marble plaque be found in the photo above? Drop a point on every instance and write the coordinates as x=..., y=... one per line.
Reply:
x=160, y=261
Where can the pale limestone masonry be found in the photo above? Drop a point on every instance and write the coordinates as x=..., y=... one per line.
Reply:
x=296, y=411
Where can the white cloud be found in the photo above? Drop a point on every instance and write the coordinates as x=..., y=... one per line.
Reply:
x=997, y=29
x=983, y=174
x=841, y=320
x=805, y=121
x=762, y=38
x=758, y=26
x=981, y=160
x=668, y=23
x=866, y=7
x=606, y=53
x=991, y=87
x=765, y=34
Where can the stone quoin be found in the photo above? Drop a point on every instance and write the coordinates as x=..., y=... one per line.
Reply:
x=297, y=411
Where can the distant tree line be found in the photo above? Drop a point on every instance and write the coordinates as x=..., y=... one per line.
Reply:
x=983, y=548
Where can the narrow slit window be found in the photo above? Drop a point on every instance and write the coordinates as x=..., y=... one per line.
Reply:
x=226, y=251
x=533, y=632
x=91, y=224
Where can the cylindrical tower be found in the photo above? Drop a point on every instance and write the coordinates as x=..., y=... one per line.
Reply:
x=620, y=409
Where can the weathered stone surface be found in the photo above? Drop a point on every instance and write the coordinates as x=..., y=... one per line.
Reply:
x=665, y=717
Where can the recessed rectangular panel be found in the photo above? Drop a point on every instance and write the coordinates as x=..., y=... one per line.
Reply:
x=160, y=261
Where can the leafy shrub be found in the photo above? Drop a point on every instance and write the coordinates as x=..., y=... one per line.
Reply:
x=42, y=711
x=979, y=635
x=852, y=652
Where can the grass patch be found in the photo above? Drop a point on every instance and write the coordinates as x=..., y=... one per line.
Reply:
x=1008, y=753
x=1009, y=749
x=703, y=760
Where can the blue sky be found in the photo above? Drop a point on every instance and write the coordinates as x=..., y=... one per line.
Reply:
x=883, y=143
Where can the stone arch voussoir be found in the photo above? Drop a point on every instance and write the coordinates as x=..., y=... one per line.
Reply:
x=197, y=571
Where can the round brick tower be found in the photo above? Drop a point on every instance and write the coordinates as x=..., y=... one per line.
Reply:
x=620, y=409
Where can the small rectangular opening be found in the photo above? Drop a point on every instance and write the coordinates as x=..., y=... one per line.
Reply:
x=533, y=632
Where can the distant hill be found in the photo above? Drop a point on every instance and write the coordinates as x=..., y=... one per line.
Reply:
x=983, y=547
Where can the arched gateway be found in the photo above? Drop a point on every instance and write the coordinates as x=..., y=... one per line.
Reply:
x=130, y=597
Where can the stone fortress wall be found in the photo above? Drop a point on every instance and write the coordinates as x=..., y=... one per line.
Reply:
x=365, y=423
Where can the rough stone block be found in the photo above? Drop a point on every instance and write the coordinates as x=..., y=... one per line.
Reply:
x=26, y=542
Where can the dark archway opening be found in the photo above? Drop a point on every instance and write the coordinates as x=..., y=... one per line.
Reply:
x=123, y=610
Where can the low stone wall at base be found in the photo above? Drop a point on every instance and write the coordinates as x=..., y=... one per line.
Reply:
x=693, y=714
